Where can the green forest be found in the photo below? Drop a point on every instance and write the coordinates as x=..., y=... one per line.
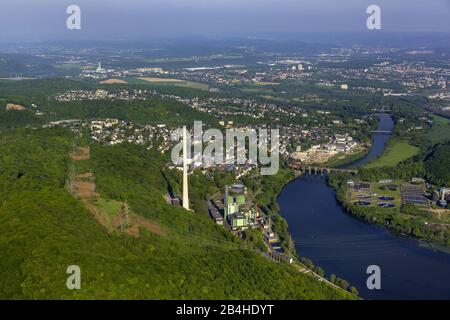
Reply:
x=44, y=229
x=437, y=164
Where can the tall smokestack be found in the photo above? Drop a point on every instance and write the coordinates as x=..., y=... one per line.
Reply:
x=185, y=172
x=225, y=204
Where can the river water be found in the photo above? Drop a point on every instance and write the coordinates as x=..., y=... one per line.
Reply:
x=346, y=246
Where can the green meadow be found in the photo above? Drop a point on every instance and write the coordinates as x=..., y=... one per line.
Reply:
x=440, y=132
x=395, y=153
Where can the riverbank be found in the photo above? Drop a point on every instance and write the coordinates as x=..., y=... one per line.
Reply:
x=268, y=189
x=375, y=149
x=281, y=228
x=346, y=245
x=397, y=150
x=344, y=161
x=413, y=222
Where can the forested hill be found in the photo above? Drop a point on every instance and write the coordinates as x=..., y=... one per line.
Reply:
x=44, y=229
x=437, y=165
x=42, y=93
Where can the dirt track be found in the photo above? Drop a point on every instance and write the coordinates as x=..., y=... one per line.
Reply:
x=80, y=154
x=83, y=186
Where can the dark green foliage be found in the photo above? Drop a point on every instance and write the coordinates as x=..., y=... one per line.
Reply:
x=437, y=165
x=342, y=283
x=32, y=159
x=332, y=278
x=37, y=91
x=267, y=189
x=408, y=219
x=354, y=290
x=307, y=262
x=255, y=238
x=405, y=171
x=12, y=64
x=43, y=230
x=42, y=92
x=16, y=119
x=410, y=209
x=319, y=271
x=151, y=111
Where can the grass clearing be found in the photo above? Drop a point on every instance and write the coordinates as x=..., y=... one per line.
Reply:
x=341, y=159
x=395, y=153
x=440, y=132
x=383, y=189
x=110, y=207
x=440, y=120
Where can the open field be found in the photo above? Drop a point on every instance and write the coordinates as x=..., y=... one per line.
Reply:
x=84, y=189
x=440, y=132
x=269, y=97
x=384, y=190
x=80, y=154
x=107, y=212
x=440, y=120
x=341, y=159
x=12, y=106
x=175, y=82
x=113, y=81
x=110, y=207
x=395, y=153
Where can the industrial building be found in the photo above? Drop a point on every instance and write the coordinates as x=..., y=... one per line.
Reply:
x=444, y=197
x=238, y=211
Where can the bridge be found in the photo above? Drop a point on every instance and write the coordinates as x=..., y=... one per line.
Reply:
x=382, y=131
x=321, y=170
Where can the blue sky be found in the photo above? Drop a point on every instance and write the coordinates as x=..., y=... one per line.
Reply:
x=143, y=19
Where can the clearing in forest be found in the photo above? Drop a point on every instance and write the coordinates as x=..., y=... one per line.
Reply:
x=113, y=81
x=395, y=153
x=112, y=214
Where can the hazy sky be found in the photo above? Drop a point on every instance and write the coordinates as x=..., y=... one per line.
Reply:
x=144, y=19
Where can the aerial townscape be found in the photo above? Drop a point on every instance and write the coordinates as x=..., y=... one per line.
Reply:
x=359, y=138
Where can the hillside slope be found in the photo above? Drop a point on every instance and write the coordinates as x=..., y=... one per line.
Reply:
x=44, y=229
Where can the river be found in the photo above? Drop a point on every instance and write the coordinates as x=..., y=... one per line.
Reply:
x=345, y=245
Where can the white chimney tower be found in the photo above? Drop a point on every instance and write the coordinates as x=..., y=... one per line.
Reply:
x=185, y=172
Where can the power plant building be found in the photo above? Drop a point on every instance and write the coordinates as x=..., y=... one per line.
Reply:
x=238, y=211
